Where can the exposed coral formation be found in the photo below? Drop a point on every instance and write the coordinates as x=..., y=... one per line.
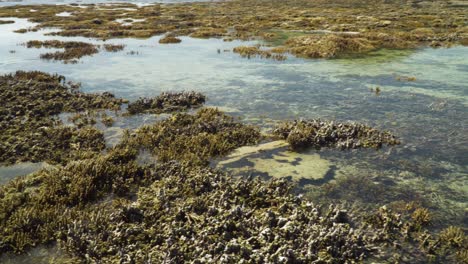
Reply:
x=328, y=45
x=167, y=102
x=34, y=209
x=110, y=207
x=317, y=133
x=73, y=50
x=28, y=130
x=254, y=51
x=113, y=47
x=169, y=39
x=177, y=213
x=201, y=215
x=193, y=138
x=107, y=120
x=2, y=22
x=306, y=28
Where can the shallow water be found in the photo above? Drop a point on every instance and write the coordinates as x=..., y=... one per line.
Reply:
x=428, y=114
x=66, y=2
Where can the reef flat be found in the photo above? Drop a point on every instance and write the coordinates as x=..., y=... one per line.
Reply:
x=102, y=204
x=358, y=158
x=311, y=29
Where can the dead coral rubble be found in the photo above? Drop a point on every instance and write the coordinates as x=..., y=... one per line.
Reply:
x=318, y=133
x=28, y=129
x=167, y=102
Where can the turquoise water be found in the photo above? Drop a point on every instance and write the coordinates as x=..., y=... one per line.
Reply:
x=429, y=114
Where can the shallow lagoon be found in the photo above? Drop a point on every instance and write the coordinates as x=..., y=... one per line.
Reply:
x=428, y=114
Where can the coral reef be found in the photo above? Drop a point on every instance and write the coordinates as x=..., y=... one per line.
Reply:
x=169, y=39
x=309, y=29
x=2, y=22
x=201, y=215
x=108, y=121
x=193, y=138
x=113, y=47
x=167, y=102
x=249, y=52
x=35, y=208
x=73, y=50
x=328, y=45
x=28, y=129
x=317, y=133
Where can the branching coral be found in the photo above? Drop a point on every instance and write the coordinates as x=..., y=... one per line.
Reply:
x=193, y=138
x=318, y=133
x=29, y=131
